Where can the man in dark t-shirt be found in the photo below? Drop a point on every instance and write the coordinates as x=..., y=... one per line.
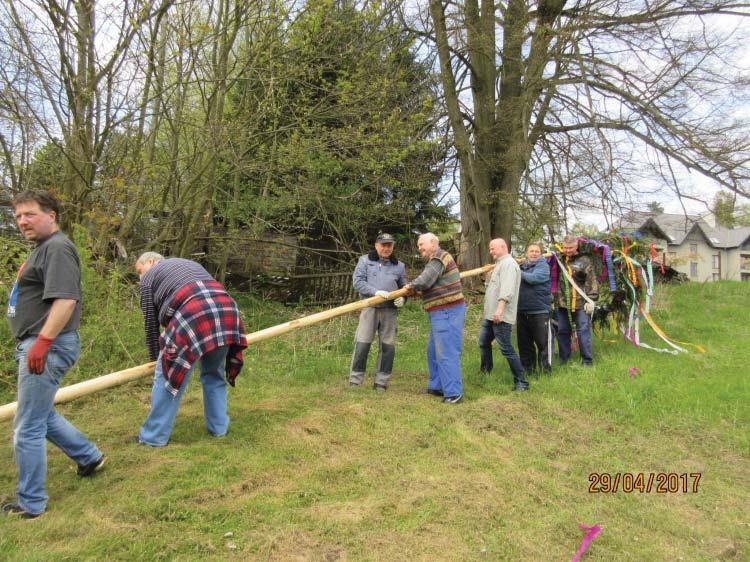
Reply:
x=44, y=312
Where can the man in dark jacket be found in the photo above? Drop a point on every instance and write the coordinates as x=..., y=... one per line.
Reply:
x=575, y=303
x=377, y=273
x=534, y=304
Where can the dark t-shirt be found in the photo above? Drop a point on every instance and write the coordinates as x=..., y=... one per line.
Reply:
x=52, y=271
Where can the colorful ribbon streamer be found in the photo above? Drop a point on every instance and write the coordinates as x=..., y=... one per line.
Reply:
x=606, y=258
x=638, y=310
x=639, y=283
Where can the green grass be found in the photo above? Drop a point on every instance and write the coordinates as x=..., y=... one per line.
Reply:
x=314, y=471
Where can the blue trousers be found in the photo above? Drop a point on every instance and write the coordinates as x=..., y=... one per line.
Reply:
x=37, y=420
x=444, y=350
x=583, y=331
x=502, y=332
x=157, y=428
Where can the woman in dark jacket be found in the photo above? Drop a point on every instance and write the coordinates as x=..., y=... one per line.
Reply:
x=534, y=302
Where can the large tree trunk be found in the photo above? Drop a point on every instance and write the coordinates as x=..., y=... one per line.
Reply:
x=475, y=223
x=494, y=150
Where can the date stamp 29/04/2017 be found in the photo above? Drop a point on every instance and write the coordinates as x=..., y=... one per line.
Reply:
x=644, y=482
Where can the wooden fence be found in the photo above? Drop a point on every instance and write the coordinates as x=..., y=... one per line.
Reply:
x=321, y=289
x=332, y=288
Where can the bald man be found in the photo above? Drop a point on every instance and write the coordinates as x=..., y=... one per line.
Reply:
x=500, y=306
x=443, y=300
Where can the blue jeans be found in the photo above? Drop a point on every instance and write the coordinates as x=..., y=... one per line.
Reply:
x=501, y=332
x=444, y=350
x=36, y=419
x=583, y=331
x=157, y=428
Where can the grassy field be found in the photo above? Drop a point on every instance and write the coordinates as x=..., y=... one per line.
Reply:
x=312, y=470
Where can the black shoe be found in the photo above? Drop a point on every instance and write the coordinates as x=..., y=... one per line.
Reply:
x=13, y=509
x=379, y=388
x=520, y=388
x=354, y=385
x=85, y=470
x=432, y=391
x=453, y=399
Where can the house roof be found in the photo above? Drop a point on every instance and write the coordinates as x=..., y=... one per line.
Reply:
x=721, y=237
x=676, y=227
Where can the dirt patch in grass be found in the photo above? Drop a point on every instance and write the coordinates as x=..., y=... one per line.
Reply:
x=296, y=545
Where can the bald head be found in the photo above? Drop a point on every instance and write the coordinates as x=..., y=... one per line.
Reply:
x=428, y=244
x=498, y=248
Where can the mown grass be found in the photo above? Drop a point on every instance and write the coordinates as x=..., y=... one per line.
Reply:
x=314, y=471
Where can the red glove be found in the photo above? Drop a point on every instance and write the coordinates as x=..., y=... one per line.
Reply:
x=38, y=353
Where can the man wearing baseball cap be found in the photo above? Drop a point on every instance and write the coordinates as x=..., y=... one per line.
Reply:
x=377, y=274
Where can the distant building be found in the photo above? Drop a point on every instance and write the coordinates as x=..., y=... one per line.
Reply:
x=691, y=245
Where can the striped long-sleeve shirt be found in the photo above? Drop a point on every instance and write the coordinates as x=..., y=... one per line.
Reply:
x=158, y=287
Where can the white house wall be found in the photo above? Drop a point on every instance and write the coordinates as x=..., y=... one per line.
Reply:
x=732, y=263
x=703, y=257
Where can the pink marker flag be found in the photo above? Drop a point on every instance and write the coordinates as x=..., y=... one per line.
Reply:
x=590, y=535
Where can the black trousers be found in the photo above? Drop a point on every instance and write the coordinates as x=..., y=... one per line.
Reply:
x=534, y=341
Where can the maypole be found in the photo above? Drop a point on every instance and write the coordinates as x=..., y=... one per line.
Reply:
x=68, y=393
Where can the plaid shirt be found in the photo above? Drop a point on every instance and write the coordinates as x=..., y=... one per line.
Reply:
x=158, y=286
x=201, y=318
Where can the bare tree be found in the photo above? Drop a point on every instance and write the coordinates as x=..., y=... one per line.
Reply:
x=19, y=132
x=201, y=44
x=575, y=100
x=75, y=54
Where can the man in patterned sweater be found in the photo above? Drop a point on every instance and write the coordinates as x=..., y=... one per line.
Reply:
x=443, y=299
x=202, y=323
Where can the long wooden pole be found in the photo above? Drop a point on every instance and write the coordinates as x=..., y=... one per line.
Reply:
x=68, y=393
